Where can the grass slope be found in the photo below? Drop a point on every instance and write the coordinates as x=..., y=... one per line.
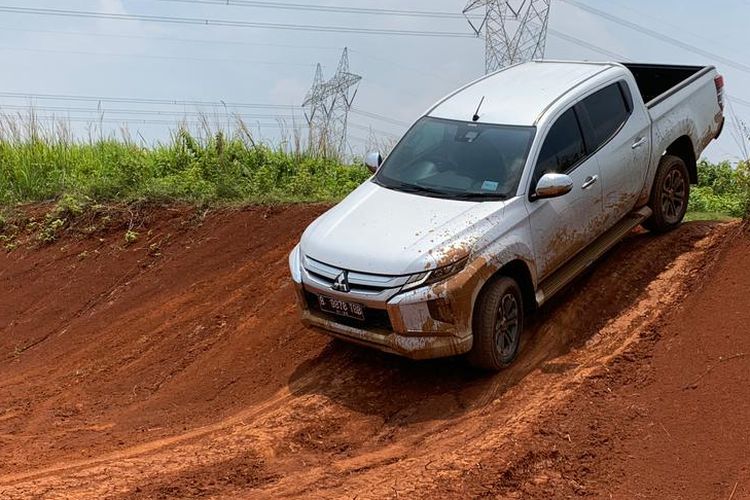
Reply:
x=42, y=165
x=186, y=169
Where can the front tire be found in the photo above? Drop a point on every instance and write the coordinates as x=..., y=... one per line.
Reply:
x=497, y=325
x=669, y=195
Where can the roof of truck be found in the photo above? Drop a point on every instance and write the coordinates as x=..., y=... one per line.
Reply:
x=517, y=95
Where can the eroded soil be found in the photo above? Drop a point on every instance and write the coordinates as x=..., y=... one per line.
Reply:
x=175, y=367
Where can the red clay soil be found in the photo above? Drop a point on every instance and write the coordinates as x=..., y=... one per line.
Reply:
x=669, y=417
x=175, y=367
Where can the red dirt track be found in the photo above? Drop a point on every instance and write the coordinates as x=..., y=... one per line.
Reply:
x=176, y=367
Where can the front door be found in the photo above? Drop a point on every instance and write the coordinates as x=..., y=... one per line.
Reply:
x=562, y=226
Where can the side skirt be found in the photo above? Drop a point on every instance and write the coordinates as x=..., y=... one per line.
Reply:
x=575, y=266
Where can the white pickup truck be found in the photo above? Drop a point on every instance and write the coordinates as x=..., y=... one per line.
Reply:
x=500, y=195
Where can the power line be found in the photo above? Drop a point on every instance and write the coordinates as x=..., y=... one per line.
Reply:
x=171, y=39
x=326, y=8
x=177, y=114
x=556, y=33
x=106, y=116
x=229, y=23
x=157, y=57
x=382, y=118
x=180, y=122
x=738, y=129
x=143, y=112
x=395, y=64
x=659, y=36
x=172, y=102
x=737, y=100
x=620, y=57
x=391, y=62
x=149, y=121
x=139, y=100
x=373, y=130
x=590, y=46
x=679, y=27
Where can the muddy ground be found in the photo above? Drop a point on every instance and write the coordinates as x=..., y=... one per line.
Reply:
x=174, y=366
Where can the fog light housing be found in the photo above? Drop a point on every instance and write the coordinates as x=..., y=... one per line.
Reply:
x=440, y=309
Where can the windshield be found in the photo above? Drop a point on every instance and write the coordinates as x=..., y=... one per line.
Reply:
x=459, y=160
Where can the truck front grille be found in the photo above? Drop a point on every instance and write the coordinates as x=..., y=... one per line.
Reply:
x=360, y=283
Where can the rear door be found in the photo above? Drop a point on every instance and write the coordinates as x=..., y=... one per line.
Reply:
x=562, y=226
x=618, y=133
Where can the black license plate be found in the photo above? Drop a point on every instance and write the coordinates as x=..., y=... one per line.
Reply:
x=341, y=307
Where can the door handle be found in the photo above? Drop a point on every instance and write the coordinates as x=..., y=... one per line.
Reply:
x=590, y=181
x=640, y=142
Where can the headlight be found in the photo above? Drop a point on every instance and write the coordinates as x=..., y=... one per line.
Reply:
x=295, y=265
x=435, y=276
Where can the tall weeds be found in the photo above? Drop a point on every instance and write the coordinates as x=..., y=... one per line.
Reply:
x=722, y=188
x=43, y=162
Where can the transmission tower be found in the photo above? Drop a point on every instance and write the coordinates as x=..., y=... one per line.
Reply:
x=327, y=107
x=514, y=31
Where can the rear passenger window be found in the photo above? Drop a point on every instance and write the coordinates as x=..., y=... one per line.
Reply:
x=607, y=110
x=562, y=148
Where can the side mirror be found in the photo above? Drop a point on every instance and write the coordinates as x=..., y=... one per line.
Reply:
x=373, y=161
x=553, y=185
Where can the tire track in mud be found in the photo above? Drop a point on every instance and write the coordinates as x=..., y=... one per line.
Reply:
x=348, y=420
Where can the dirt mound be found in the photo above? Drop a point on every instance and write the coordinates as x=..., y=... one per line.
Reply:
x=102, y=341
x=175, y=366
x=668, y=418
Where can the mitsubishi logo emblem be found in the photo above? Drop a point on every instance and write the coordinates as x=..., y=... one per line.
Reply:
x=341, y=284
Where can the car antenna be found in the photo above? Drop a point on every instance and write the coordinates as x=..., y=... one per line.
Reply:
x=475, y=118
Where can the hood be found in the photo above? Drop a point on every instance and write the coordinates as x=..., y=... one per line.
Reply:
x=381, y=231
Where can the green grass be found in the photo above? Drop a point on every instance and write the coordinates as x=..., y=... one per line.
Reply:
x=38, y=164
x=38, y=167
x=708, y=216
x=723, y=191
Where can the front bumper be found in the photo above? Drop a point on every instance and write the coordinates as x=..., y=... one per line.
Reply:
x=425, y=323
x=411, y=346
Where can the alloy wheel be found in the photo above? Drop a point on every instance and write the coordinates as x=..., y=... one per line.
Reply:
x=673, y=196
x=507, y=326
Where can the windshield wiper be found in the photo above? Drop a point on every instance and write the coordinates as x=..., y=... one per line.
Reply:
x=479, y=196
x=451, y=195
x=414, y=188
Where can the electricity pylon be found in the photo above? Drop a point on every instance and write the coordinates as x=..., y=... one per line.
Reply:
x=327, y=107
x=514, y=31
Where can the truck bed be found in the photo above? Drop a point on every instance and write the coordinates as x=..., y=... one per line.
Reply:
x=657, y=82
x=684, y=104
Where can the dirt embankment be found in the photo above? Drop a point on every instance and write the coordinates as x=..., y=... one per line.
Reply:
x=174, y=366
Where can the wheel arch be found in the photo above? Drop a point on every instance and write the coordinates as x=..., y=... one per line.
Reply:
x=519, y=270
x=683, y=148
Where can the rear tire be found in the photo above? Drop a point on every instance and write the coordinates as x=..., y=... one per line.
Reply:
x=497, y=325
x=670, y=195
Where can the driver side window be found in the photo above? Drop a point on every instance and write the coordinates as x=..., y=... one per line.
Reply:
x=562, y=149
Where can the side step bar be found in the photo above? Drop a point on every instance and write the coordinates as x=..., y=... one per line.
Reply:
x=575, y=266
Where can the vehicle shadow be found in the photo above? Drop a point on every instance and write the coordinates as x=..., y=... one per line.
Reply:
x=403, y=392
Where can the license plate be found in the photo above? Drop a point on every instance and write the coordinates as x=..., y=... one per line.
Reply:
x=341, y=307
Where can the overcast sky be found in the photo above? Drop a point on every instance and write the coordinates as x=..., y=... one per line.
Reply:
x=402, y=75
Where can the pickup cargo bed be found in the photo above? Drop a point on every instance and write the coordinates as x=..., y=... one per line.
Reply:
x=656, y=82
x=685, y=113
